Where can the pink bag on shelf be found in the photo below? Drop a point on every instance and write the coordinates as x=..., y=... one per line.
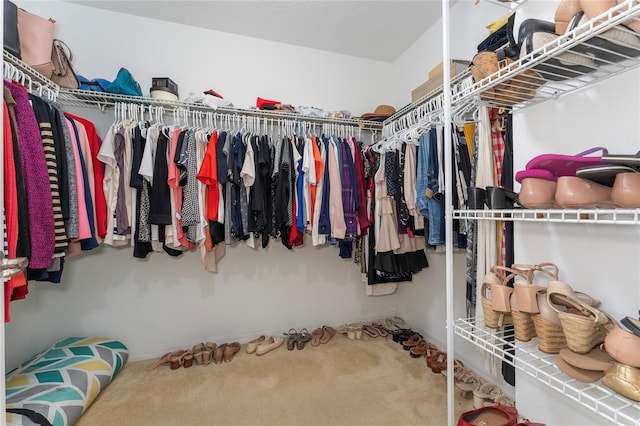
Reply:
x=36, y=41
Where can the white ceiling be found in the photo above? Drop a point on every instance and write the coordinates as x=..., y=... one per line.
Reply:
x=379, y=30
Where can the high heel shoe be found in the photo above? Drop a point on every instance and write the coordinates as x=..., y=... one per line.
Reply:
x=524, y=301
x=198, y=353
x=207, y=357
x=501, y=198
x=187, y=359
x=303, y=338
x=476, y=198
x=549, y=329
x=176, y=359
x=218, y=353
x=230, y=351
x=495, y=296
x=292, y=338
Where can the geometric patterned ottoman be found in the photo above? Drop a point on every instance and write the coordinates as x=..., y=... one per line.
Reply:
x=56, y=386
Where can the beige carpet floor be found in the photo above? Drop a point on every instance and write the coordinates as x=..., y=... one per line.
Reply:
x=344, y=382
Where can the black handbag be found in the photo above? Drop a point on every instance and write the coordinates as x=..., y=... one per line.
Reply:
x=11, y=38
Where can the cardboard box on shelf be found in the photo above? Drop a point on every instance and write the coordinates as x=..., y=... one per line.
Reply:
x=457, y=66
x=436, y=78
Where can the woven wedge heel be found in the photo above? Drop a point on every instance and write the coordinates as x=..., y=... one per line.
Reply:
x=583, y=325
x=524, y=302
x=494, y=296
x=548, y=327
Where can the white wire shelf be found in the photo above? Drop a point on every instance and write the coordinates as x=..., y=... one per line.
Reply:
x=596, y=216
x=593, y=51
x=85, y=98
x=526, y=357
x=102, y=100
x=541, y=74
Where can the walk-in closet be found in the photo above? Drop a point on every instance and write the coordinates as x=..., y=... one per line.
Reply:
x=290, y=212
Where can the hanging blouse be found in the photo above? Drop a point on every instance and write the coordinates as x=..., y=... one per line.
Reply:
x=87, y=230
x=36, y=180
x=94, y=145
x=41, y=111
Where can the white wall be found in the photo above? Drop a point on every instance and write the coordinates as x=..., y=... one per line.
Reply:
x=162, y=303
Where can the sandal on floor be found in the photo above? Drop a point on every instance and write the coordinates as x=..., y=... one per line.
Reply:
x=370, y=331
x=327, y=333
x=218, y=353
x=401, y=335
x=253, y=345
x=380, y=329
x=439, y=363
x=316, y=335
x=485, y=394
x=468, y=383
x=354, y=331
x=163, y=360
x=230, y=351
x=303, y=338
x=198, y=353
x=395, y=323
x=187, y=359
x=411, y=341
x=176, y=359
x=419, y=349
x=292, y=338
x=209, y=348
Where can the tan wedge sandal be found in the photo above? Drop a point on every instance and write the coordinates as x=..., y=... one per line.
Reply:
x=524, y=301
x=198, y=353
x=494, y=296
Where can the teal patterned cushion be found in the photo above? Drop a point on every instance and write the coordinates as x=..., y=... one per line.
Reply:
x=62, y=382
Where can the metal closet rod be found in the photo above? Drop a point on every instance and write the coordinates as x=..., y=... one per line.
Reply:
x=195, y=117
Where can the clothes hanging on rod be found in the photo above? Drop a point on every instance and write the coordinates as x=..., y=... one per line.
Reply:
x=202, y=183
x=43, y=214
x=234, y=180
